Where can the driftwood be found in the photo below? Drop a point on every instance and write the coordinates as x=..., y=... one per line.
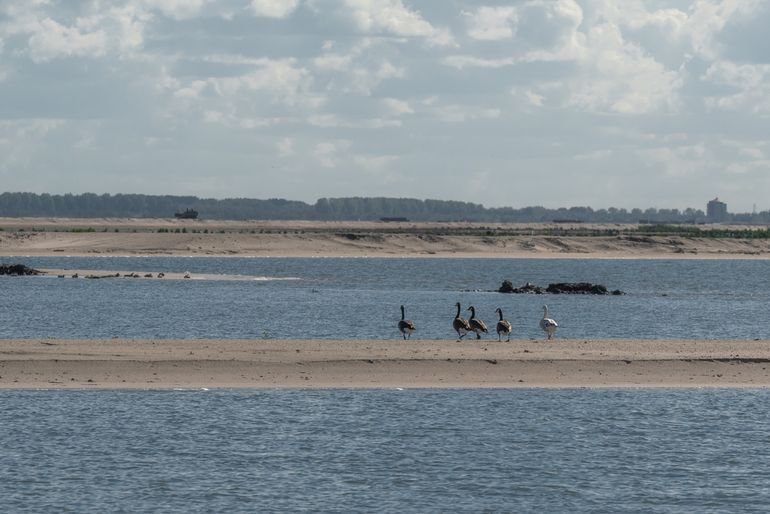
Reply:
x=558, y=288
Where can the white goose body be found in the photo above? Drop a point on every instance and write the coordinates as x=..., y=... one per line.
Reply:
x=548, y=325
x=406, y=326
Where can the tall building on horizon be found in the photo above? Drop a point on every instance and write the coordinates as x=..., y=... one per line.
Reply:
x=716, y=211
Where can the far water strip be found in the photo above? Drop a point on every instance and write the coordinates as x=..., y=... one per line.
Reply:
x=359, y=298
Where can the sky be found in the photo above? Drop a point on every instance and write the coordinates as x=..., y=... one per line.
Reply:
x=559, y=103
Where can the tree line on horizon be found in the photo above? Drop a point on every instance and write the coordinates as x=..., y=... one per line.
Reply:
x=91, y=205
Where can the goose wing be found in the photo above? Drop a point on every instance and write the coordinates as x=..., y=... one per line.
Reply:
x=504, y=326
x=461, y=323
x=477, y=324
x=548, y=322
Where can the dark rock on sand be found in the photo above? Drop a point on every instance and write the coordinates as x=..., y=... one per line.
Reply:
x=18, y=270
x=558, y=288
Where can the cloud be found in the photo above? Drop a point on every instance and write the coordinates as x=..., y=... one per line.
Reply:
x=282, y=79
x=388, y=17
x=326, y=153
x=586, y=87
x=333, y=62
x=364, y=80
x=467, y=61
x=273, y=8
x=176, y=9
x=750, y=85
x=396, y=107
x=461, y=113
x=328, y=120
x=285, y=147
x=680, y=161
x=593, y=156
x=492, y=23
x=617, y=76
x=50, y=39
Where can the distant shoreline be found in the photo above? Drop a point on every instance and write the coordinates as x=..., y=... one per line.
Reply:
x=320, y=364
x=175, y=237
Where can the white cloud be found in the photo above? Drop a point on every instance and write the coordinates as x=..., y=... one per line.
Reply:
x=492, y=23
x=273, y=8
x=334, y=76
x=333, y=62
x=534, y=98
x=326, y=154
x=50, y=39
x=328, y=120
x=699, y=27
x=374, y=163
x=618, y=76
x=593, y=156
x=679, y=161
x=396, y=107
x=759, y=167
x=708, y=18
x=467, y=61
x=282, y=79
x=393, y=17
x=750, y=84
x=364, y=80
x=460, y=113
x=285, y=147
x=176, y=9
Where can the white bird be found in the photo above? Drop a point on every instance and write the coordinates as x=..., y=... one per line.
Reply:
x=476, y=324
x=548, y=325
x=460, y=325
x=406, y=326
x=503, y=327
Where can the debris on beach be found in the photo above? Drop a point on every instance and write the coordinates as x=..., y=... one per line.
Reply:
x=18, y=270
x=559, y=288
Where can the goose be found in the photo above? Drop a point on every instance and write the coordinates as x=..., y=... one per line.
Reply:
x=460, y=324
x=503, y=327
x=548, y=325
x=406, y=326
x=476, y=324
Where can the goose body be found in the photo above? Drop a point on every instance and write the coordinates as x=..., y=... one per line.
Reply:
x=548, y=325
x=476, y=324
x=503, y=326
x=460, y=324
x=406, y=326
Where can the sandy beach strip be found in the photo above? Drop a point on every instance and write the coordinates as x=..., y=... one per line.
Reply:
x=164, y=237
x=224, y=363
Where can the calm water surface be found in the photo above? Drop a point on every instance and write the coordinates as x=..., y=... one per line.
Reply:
x=359, y=298
x=386, y=451
x=672, y=451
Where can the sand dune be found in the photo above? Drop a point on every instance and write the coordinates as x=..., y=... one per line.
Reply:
x=35, y=236
x=165, y=364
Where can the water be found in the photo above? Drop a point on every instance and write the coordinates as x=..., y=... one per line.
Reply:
x=672, y=451
x=385, y=451
x=332, y=298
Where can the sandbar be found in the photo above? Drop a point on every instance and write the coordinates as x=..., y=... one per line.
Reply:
x=397, y=364
x=173, y=237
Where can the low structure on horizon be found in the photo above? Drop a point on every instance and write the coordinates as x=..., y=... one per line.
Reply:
x=716, y=211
